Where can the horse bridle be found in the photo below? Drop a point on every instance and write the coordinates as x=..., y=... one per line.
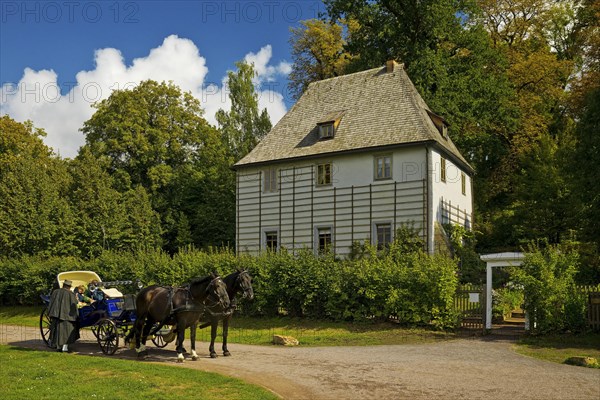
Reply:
x=210, y=304
x=238, y=281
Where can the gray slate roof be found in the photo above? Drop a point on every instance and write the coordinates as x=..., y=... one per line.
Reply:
x=377, y=108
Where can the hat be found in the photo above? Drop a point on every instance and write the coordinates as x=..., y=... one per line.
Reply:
x=67, y=283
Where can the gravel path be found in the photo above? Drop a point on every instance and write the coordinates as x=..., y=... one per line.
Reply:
x=457, y=369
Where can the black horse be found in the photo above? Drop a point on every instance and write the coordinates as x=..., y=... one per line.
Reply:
x=239, y=281
x=180, y=307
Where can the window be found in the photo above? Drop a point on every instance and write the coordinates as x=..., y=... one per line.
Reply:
x=324, y=240
x=271, y=240
x=443, y=170
x=463, y=182
x=383, y=233
x=270, y=180
x=383, y=167
x=444, y=130
x=324, y=174
x=326, y=131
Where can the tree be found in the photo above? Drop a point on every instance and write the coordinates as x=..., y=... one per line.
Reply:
x=542, y=196
x=242, y=126
x=585, y=168
x=154, y=135
x=141, y=228
x=95, y=204
x=318, y=51
x=35, y=215
x=105, y=218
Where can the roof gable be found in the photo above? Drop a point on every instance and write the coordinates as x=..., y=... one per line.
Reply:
x=375, y=108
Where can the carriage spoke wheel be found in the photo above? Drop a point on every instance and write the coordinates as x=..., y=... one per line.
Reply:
x=45, y=326
x=158, y=339
x=108, y=336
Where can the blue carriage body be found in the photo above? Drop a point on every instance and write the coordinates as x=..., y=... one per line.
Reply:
x=109, y=318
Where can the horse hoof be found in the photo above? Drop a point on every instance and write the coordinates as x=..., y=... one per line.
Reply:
x=180, y=358
x=213, y=355
x=194, y=358
x=226, y=353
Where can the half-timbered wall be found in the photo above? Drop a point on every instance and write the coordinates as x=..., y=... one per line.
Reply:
x=351, y=206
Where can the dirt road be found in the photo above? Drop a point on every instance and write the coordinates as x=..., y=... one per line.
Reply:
x=458, y=369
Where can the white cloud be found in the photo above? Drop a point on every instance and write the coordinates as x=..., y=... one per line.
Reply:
x=265, y=71
x=38, y=97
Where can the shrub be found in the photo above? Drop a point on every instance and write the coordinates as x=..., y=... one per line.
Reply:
x=552, y=301
x=505, y=300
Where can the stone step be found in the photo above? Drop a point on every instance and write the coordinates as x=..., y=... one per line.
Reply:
x=514, y=321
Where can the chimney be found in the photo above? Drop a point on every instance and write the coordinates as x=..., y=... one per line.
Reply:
x=389, y=65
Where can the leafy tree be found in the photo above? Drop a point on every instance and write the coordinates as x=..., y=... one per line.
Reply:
x=104, y=216
x=585, y=168
x=141, y=227
x=243, y=125
x=318, y=51
x=36, y=218
x=154, y=135
x=95, y=205
x=542, y=197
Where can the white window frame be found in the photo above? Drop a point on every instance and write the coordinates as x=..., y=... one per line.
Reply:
x=265, y=244
x=443, y=168
x=270, y=180
x=317, y=175
x=376, y=167
x=316, y=243
x=375, y=235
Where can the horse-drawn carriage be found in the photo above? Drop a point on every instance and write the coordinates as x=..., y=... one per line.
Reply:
x=164, y=312
x=109, y=319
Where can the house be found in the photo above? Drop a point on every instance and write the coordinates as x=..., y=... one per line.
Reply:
x=355, y=158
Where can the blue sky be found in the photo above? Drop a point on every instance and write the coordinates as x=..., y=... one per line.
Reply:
x=50, y=46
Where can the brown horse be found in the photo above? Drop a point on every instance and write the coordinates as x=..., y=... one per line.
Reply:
x=180, y=307
x=239, y=281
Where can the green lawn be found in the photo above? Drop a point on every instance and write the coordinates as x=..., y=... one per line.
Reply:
x=558, y=348
x=20, y=315
x=261, y=330
x=30, y=374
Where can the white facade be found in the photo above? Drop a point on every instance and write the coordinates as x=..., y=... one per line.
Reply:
x=282, y=204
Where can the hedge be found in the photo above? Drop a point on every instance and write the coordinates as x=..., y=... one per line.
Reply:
x=416, y=288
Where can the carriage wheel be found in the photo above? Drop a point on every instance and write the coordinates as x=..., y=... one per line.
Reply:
x=108, y=336
x=45, y=326
x=158, y=339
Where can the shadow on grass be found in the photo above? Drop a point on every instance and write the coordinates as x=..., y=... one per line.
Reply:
x=589, y=341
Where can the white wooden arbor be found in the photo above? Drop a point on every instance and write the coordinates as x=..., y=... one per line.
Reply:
x=496, y=260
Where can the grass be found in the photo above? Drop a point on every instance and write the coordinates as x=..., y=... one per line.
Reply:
x=558, y=348
x=20, y=315
x=260, y=331
x=28, y=374
x=324, y=333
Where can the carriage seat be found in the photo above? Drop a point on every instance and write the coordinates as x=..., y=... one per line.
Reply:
x=112, y=293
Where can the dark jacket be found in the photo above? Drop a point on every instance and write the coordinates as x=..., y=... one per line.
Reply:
x=63, y=305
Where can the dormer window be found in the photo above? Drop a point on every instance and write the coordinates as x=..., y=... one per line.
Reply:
x=326, y=131
x=328, y=125
x=444, y=130
x=440, y=123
